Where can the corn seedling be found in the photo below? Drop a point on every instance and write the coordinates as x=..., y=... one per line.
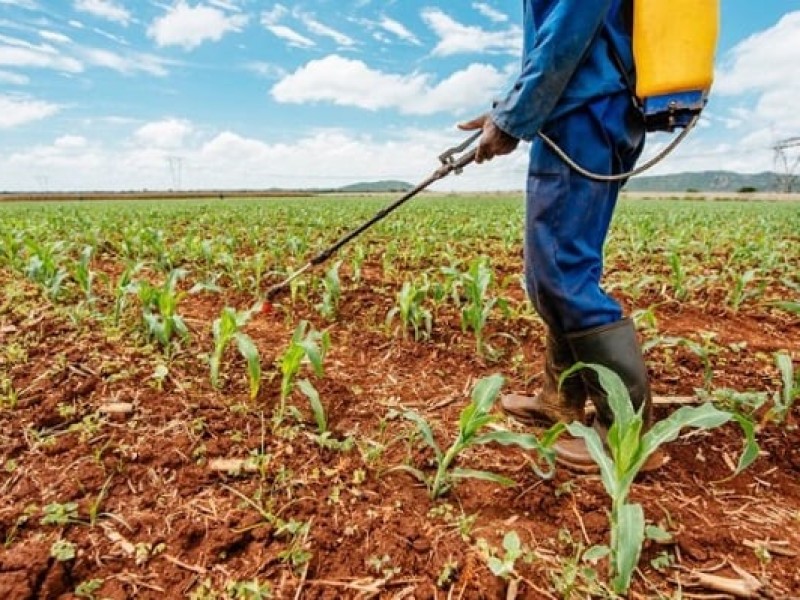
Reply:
x=411, y=311
x=475, y=284
x=783, y=400
x=160, y=309
x=678, y=276
x=43, y=267
x=83, y=274
x=475, y=417
x=629, y=450
x=331, y=293
x=359, y=255
x=306, y=344
x=123, y=287
x=226, y=329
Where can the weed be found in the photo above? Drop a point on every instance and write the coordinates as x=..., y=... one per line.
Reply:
x=62, y=550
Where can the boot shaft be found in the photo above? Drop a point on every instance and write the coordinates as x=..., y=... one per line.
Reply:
x=616, y=347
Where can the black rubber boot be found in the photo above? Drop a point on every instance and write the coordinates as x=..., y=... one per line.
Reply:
x=614, y=346
x=551, y=405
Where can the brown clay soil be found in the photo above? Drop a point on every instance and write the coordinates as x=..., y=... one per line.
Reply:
x=155, y=520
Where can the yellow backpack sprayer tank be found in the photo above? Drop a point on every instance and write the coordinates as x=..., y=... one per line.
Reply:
x=674, y=43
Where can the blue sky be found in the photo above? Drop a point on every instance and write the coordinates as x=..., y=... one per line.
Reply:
x=117, y=94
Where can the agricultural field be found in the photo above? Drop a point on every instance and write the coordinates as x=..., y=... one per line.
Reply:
x=164, y=434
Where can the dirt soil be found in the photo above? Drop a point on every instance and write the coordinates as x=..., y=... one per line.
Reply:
x=156, y=517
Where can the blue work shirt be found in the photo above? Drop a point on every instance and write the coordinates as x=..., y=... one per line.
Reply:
x=566, y=62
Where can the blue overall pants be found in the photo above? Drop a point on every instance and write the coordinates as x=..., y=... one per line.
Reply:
x=568, y=216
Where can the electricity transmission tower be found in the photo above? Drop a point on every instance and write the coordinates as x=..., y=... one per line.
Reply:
x=787, y=162
x=175, y=171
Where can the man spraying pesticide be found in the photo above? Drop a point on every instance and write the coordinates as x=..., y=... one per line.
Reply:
x=585, y=104
x=595, y=77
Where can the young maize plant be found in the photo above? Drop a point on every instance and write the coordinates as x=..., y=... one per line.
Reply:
x=411, y=311
x=474, y=284
x=475, y=417
x=160, y=309
x=783, y=401
x=122, y=289
x=43, y=267
x=83, y=274
x=306, y=344
x=331, y=292
x=628, y=451
x=226, y=329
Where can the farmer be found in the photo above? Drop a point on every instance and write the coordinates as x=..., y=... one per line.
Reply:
x=572, y=88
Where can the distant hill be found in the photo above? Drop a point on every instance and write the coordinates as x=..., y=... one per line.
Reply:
x=705, y=181
x=376, y=186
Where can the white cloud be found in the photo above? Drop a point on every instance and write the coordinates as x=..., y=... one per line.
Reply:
x=224, y=5
x=265, y=69
x=761, y=71
x=744, y=67
x=18, y=110
x=29, y=4
x=127, y=65
x=165, y=134
x=230, y=160
x=317, y=28
x=189, y=27
x=105, y=9
x=456, y=38
x=53, y=36
x=290, y=36
x=71, y=141
x=398, y=29
x=347, y=82
x=274, y=15
x=490, y=12
x=14, y=78
x=44, y=57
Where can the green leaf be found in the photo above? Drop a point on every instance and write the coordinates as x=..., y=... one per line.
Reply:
x=786, y=369
x=596, y=553
x=656, y=534
x=316, y=405
x=497, y=566
x=512, y=543
x=617, y=394
x=788, y=306
x=485, y=392
x=751, y=449
x=528, y=441
x=425, y=430
x=595, y=446
x=250, y=353
x=627, y=544
x=705, y=416
x=416, y=473
x=459, y=473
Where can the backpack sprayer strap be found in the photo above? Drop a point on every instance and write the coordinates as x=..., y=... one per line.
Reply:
x=659, y=123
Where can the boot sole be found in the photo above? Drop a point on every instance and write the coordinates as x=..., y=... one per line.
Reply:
x=530, y=417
